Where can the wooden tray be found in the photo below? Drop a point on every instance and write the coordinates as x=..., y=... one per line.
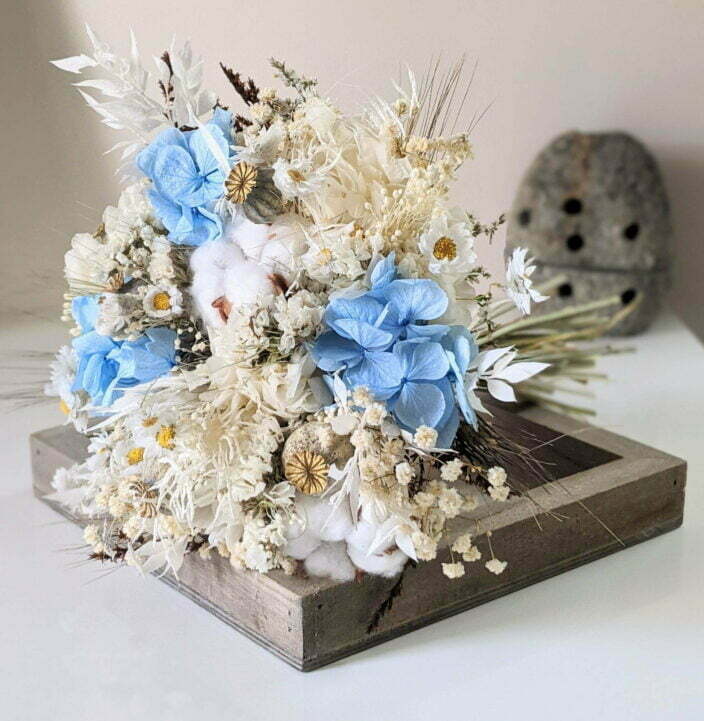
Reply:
x=608, y=493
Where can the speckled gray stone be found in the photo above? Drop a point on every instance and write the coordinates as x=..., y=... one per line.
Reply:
x=593, y=206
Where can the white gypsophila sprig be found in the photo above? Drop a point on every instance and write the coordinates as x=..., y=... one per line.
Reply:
x=519, y=285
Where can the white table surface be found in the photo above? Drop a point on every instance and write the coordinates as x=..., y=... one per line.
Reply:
x=621, y=638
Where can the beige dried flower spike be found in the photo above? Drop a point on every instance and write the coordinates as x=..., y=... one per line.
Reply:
x=240, y=182
x=307, y=471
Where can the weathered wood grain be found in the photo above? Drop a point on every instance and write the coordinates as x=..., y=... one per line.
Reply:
x=606, y=493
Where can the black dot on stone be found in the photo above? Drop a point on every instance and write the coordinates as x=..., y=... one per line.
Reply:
x=628, y=296
x=565, y=290
x=572, y=206
x=524, y=217
x=575, y=242
x=631, y=231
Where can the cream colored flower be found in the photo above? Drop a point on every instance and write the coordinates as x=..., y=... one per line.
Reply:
x=495, y=566
x=404, y=473
x=297, y=178
x=453, y=570
x=425, y=438
x=499, y=493
x=496, y=476
x=462, y=543
x=448, y=244
x=452, y=470
x=471, y=555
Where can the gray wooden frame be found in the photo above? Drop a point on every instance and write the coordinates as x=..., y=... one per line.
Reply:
x=629, y=494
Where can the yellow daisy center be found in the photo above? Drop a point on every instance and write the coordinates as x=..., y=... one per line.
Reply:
x=296, y=175
x=165, y=436
x=445, y=248
x=147, y=422
x=161, y=301
x=64, y=407
x=325, y=255
x=135, y=455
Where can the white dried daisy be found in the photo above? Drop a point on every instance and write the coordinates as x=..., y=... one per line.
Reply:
x=448, y=244
x=163, y=301
x=296, y=178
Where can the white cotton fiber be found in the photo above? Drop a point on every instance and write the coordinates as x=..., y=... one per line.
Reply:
x=325, y=521
x=330, y=560
x=260, y=243
x=301, y=546
x=248, y=282
x=208, y=264
x=380, y=564
x=363, y=535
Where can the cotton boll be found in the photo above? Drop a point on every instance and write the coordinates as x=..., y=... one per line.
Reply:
x=208, y=265
x=250, y=237
x=379, y=564
x=263, y=244
x=330, y=560
x=362, y=536
x=248, y=282
x=214, y=256
x=302, y=546
x=322, y=519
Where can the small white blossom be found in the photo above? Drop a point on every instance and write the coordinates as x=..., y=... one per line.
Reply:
x=426, y=548
x=450, y=502
x=495, y=566
x=361, y=396
x=425, y=438
x=404, y=473
x=471, y=555
x=499, y=493
x=496, y=476
x=91, y=535
x=519, y=285
x=375, y=414
x=452, y=470
x=462, y=543
x=453, y=570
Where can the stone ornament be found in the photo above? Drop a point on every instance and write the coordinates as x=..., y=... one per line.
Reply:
x=592, y=206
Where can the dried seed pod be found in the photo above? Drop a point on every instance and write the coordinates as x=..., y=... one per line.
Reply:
x=307, y=471
x=240, y=182
x=263, y=204
x=318, y=437
x=141, y=490
x=147, y=510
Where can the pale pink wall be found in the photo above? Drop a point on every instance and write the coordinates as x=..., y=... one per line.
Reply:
x=545, y=66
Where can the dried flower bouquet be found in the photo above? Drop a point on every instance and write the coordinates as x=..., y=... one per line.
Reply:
x=280, y=347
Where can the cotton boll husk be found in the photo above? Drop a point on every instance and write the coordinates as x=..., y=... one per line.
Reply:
x=330, y=560
x=379, y=564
